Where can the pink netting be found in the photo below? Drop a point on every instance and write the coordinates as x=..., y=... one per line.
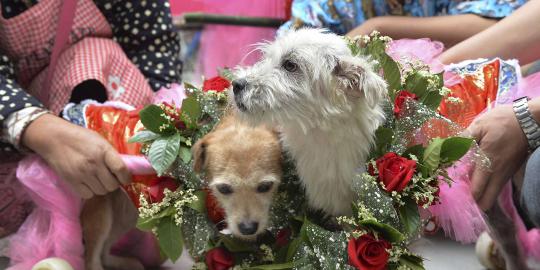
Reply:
x=53, y=229
x=458, y=213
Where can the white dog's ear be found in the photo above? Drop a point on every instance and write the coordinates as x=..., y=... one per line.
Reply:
x=356, y=78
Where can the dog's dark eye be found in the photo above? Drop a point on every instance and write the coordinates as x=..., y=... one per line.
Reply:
x=224, y=189
x=265, y=187
x=289, y=66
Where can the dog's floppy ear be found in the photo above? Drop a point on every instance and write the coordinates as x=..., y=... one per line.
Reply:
x=199, y=155
x=356, y=78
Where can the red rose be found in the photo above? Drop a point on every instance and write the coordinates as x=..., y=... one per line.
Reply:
x=402, y=96
x=395, y=171
x=157, y=190
x=219, y=259
x=282, y=237
x=368, y=253
x=218, y=84
x=371, y=170
x=214, y=211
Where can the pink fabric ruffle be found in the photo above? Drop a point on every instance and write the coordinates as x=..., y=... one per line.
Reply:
x=53, y=228
x=422, y=50
x=173, y=95
x=457, y=213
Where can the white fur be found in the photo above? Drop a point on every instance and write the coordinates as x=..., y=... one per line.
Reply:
x=328, y=110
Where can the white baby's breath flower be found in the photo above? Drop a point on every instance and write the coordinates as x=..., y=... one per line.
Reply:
x=444, y=91
x=268, y=254
x=454, y=100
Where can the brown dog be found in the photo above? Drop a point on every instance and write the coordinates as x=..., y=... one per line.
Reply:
x=104, y=220
x=242, y=165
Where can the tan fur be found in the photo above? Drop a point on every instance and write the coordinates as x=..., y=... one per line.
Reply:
x=104, y=220
x=242, y=157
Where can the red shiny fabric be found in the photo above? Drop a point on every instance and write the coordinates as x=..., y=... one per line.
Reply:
x=117, y=126
x=476, y=92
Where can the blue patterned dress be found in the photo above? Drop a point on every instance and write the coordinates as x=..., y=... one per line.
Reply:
x=341, y=16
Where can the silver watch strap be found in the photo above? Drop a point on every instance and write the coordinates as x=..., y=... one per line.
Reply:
x=526, y=121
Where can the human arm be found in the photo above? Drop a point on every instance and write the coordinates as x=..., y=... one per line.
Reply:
x=516, y=36
x=448, y=29
x=17, y=108
x=145, y=31
x=64, y=146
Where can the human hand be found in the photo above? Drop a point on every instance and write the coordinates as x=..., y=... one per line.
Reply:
x=500, y=137
x=81, y=157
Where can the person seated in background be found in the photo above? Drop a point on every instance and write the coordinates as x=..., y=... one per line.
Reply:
x=118, y=50
x=448, y=21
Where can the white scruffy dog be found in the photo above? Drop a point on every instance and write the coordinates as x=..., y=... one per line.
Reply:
x=327, y=103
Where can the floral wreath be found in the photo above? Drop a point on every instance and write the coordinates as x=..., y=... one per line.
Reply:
x=408, y=163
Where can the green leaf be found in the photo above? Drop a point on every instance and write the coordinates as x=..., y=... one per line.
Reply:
x=185, y=154
x=328, y=245
x=200, y=204
x=416, y=150
x=392, y=74
x=455, y=148
x=388, y=232
x=432, y=100
x=152, y=118
x=144, y=136
x=440, y=79
x=288, y=265
x=191, y=112
x=170, y=238
x=189, y=86
x=412, y=262
x=163, y=152
x=384, y=137
x=236, y=245
x=432, y=154
x=409, y=216
x=293, y=247
x=226, y=73
x=417, y=83
x=146, y=224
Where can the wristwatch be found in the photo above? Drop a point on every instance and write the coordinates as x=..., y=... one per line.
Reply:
x=529, y=126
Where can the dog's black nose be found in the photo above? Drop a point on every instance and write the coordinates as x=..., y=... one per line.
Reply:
x=248, y=228
x=239, y=86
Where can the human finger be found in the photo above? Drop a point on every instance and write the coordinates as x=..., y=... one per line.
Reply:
x=107, y=179
x=83, y=191
x=479, y=180
x=95, y=185
x=492, y=191
x=117, y=167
